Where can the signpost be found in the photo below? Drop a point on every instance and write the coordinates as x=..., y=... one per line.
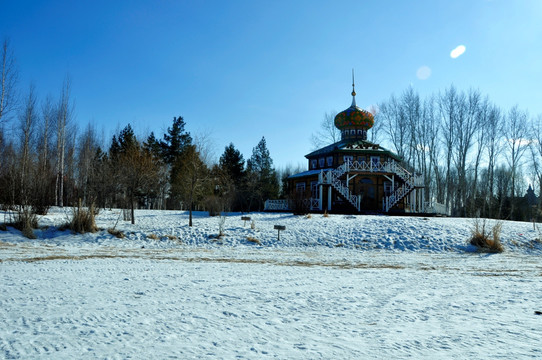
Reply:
x=279, y=228
x=245, y=219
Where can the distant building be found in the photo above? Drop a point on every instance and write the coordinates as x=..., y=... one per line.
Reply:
x=354, y=175
x=530, y=196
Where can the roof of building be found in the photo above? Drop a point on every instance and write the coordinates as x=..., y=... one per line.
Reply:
x=354, y=146
x=306, y=173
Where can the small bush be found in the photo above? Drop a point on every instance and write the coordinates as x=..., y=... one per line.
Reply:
x=83, y=220
x=117, y=233
x=326, y=214
x=309, y=216
x=153, y=236
x=26, y=220
x=3, y=227
x=487, y=240
x=253, y=240
x=172, y=237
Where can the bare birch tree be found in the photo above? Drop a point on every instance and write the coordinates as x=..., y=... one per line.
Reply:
x=64, y=113
x=494, y=133
x=328, y=133
x=8, y=81
x=450, y=103
x=26, y=128
x=536, y=153
x=395, y=125
x=515, y=131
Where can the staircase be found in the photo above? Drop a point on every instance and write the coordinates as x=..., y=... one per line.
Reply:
x=410, y=182
x=333, y=177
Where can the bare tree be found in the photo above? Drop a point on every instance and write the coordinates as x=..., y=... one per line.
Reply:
x=139, y=173
x=395, y=124
x=536, y=153
x=191, y=179
x=376, y=130
x=451, y=107
x=27, y=125
x=468, y=123
x=328, y=132
x=8, y=81
x=494, y=132
x=64, y=113
x=515, y=131
x=86, y=153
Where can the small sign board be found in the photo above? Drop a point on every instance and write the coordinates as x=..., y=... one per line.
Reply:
x=245, y=219
x=279, y=228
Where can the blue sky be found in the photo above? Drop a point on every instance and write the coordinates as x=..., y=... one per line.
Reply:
x=240, y=70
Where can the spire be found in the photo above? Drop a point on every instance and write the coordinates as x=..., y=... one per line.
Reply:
x=353, y=90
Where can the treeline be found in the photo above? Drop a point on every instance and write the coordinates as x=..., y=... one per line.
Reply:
x=477, y=158
x=45, y=160
x=47, y=163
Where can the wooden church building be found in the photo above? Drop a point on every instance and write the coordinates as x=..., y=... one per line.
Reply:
x=354, y=175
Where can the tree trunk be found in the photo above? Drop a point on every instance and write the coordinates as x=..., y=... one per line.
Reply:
x=132, y=209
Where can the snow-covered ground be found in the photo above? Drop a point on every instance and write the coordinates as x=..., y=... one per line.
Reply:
x=333, y=287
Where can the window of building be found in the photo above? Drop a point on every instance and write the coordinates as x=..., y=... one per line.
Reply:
x=300, y=187
x=375, y=160
x=352, y=132
x=321, y=162
x=313, y=164
x=348, y=158
x=315, y=194
x=330, y=161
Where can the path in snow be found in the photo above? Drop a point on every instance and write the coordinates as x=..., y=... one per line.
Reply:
x=398, y=305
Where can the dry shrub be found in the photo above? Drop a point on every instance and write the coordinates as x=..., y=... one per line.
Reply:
x=83, y=220
x=117, y=233
x=326, y=214
x=309, y=216
x=26, y=221
x=153, y=236
x=487, y=240
x=172, y=237
x=254, y=240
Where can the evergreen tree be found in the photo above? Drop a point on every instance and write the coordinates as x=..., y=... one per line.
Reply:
x=153, y=145
x=263, y=182
x=175, y=140
x=233, y=164
x=231, y=177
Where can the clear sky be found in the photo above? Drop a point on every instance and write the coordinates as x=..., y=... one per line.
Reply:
x=240, y=70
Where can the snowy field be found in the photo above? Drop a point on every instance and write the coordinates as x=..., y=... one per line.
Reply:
x=337, y=287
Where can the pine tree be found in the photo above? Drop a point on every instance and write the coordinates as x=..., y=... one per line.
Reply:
x=233, y=164
x=231, y=177
x=175, y=140
x=175, y=143
x=263, y=182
